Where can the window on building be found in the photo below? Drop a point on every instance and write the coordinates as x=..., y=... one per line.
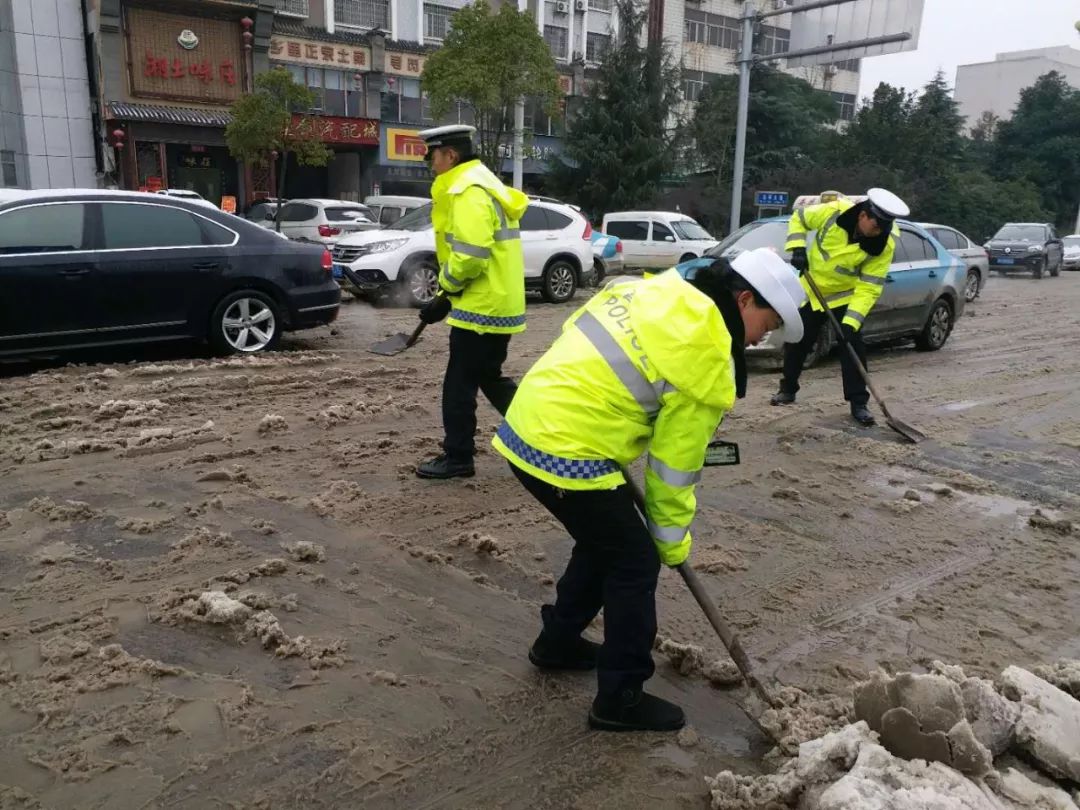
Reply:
x=600, y=5
x=298, y=8
x=773, y=40
x=541, y=123
x=596, y=46
x=711, y=29
x=7, y=168
x=362, y=13
x=337, y=92
x=128, y=226
x=845, y=102
x=557, y=39
x=42, y=229
x=403, y=102
x=694, y=83
x=437, y=21
x=848, y=64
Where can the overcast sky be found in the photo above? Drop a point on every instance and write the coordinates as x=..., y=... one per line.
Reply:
x=960, y=32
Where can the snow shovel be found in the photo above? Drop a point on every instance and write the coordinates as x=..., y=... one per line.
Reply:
x=727, y=635
x=907, y=431
x=396, y=344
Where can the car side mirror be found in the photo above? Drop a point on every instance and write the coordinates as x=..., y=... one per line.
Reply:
x=669, y=238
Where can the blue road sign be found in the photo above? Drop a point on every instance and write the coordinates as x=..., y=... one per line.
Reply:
x=771, y=199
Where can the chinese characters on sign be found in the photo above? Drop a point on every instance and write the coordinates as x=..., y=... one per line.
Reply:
x=331, y=129
x=316, y=53
x=306, y=52
x=531, y=152
x=159, y=67
x=774, y=199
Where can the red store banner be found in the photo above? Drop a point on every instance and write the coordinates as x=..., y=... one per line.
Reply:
x=335, y=130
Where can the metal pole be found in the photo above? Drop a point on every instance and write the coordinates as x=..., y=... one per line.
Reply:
x=519, y=142
x=745, y=59
x=1077, y=228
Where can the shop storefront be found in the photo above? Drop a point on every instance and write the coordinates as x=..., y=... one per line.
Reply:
x=336, y=70
x=183, y=72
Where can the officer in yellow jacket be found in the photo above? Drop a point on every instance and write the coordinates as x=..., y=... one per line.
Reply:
x=848, y=258
x=482, y=282
x=646, y=365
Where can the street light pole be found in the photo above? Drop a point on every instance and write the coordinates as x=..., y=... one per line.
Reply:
x=746, y=48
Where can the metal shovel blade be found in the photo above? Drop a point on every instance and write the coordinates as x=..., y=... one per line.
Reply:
x=395, y=344
x=907, y=431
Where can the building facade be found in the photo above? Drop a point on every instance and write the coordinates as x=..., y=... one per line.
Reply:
x=995, y=86
x=46, y=129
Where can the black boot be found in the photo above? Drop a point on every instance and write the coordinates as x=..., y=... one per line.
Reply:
x=445, y=467
x=635, y=710
x=862, y=415
x=782, y=397
x=579, y=654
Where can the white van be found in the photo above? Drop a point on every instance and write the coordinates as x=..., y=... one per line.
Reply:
x=389, y=208
x=656, y=240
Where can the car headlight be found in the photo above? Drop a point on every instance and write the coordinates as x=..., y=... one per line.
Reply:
x=386, y=246
x=1035, y=249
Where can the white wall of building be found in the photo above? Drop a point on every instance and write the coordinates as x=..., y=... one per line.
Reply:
x=995, y=86
x=44, y=94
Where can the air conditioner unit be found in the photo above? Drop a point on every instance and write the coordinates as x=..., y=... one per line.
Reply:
x=562, y=8
x=831, y=71
x=581, y=5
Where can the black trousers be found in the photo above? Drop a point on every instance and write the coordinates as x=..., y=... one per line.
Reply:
x=614, y=565
x=475, y=363
x=795, y=355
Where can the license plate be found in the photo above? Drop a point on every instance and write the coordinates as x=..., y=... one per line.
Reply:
x=1004, y=261
x=338, y=272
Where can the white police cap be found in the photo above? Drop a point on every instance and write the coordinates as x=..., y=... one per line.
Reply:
x=778, y=283
x=886, y=205
x=450, y=135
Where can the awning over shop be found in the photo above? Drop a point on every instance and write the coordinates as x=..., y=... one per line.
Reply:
x=160, y=114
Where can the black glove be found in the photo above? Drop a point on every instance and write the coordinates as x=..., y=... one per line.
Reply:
x=799, y=260
x=436, y=309
x=848, y=331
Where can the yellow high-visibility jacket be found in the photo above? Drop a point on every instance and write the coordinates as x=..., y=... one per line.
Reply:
x=478, y=245
x=845, y=273
x=644, y=365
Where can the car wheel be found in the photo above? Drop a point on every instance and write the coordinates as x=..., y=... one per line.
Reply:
x=821, y=348
x=421, y=284
x=937, y=329
x=560, y=282
x=971, y=286
x=597, y=273
x=1039, y=268
x=686, y=257
x=245, y=322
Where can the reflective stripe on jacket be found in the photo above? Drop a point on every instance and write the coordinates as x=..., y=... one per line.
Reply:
x=644, y=365
x=478, y=246
x=845, y=273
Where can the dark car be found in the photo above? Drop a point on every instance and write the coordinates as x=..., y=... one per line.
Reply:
x=1031, y=247
x=85, y=268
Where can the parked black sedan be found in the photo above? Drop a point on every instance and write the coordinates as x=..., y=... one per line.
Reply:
x=86, y=268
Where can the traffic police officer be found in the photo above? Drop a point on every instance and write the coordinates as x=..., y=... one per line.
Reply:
x=482, y=288
x=849, y=259
x=645, y=365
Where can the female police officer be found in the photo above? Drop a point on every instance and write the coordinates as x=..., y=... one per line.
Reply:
x=645, y=365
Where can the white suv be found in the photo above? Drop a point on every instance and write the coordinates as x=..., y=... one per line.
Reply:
x=556, y=242
x=323, y=222
x=657, y=240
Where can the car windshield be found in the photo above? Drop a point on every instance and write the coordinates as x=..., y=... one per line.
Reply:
x=419, y=219
x=688, y=229
x=1072, y=241
x=770, y=234
x=1022, y=233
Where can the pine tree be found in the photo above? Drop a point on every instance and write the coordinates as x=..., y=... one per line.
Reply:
x=623, y=140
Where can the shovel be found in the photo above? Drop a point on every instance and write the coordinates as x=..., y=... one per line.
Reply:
x=396, y=344
x=907, y=431
x=727, y=635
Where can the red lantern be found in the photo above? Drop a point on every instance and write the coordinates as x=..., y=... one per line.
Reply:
x=118, y=138
x=246, y=23
x=247, y=37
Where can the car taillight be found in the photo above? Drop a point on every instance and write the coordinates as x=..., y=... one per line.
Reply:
x=327, y=263
x=618, y=246
x=588, y=231
x=328, y=230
